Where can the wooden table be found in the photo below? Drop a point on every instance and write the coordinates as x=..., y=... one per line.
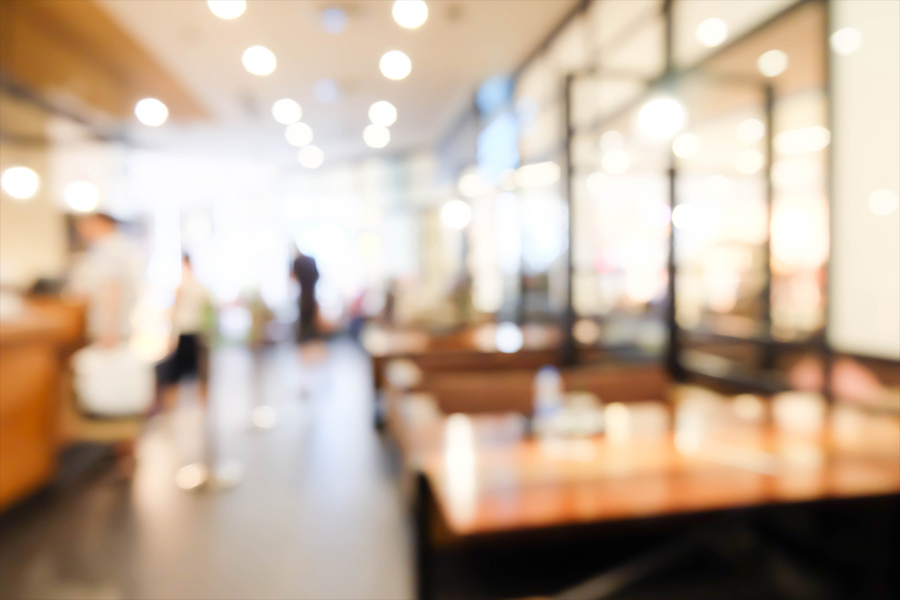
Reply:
x=470, y=489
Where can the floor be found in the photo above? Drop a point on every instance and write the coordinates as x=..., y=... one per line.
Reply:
x=317, y=513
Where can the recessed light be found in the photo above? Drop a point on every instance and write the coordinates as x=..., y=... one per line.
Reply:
x=19, y=182
x=661, y=118
x=773, y=63
x=846, y=41
x=712, y=32
x=410, y=13
x=311, y=157
x=395, y=65
x=259, y=60
x=82, y=196
x=376, y=136
x=151, y=111
x=227, y=9
x=299, y=134
x=383, y=113
x=286, y=111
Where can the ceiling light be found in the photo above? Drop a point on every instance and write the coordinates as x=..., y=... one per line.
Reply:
x=383, y=113
x=883, y=202
x=712, y=32
x=376, y=136
x=19, y=182
x=686, y=145
x=749, y=161
x=751, y=130
x=410, y=13
x=333, y=19
x=286, y=111
x=846, y=41
x=326, y=90
x=456, y=214
x=616, y=162
x=82, y=196
x=611, y=140
x=311, y=157
x=259, y=60
x=801, y=141
x=151, y=111
x=661, y=118
x=772, y=63
x=395, y=65
x=227, y=9
x=299, y=134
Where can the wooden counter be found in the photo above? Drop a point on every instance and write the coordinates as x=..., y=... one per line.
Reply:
x=34, y=349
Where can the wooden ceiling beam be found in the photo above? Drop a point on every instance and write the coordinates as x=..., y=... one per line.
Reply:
x=73, y=49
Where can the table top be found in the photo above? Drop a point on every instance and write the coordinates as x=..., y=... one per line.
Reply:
x=487, y=478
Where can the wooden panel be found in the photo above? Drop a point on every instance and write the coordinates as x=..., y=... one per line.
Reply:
x=28, y=382
x=74, y=49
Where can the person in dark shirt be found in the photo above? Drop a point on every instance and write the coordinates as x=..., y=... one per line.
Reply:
x=306, y=274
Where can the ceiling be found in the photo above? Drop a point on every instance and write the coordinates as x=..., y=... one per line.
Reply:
x=461, y=44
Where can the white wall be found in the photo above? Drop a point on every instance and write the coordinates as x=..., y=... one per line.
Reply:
x=865, y=261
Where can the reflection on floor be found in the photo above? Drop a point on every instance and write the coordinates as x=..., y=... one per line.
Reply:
x=317, y=515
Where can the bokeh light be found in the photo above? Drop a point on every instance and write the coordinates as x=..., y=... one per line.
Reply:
x=383, y=113
x=846, y=41
x=456, y=214
x=883, y=202
x=410, y=13
x=82, y=196
x=299, y=134
x=286, y=111
x=712, y=32
x=311, y=157
x=773, y=63
x=686, y=145
x=227, y=9
x=20, y=182
x=376, y=136
x=662, y=118
x=259, y=60
x=151, y=111
x=395, y=65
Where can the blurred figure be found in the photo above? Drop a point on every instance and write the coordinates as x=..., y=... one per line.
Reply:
x=390, y=303
x=190, y=352
x=107, y=276
x=307, y=274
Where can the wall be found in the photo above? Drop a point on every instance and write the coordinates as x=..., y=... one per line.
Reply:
x=865, y=285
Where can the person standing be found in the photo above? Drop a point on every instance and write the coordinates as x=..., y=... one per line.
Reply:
x=190, y=356
x=307, y=274
x=107, y=275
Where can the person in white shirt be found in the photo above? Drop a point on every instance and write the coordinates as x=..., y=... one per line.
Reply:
x=107, y=275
